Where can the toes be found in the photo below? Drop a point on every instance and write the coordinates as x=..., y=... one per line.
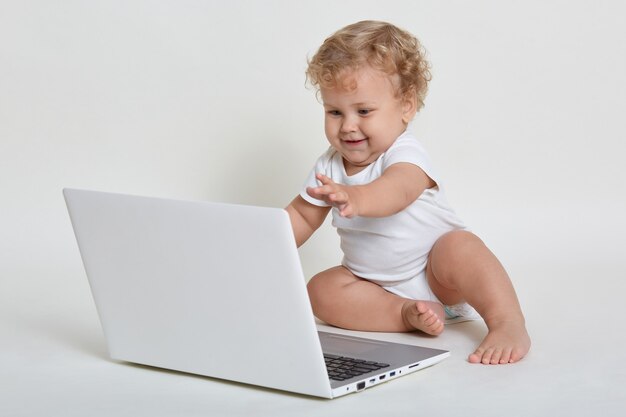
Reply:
x=474, y=358
x=516, y=355
x=506, y=356
x=477, y=356
x=500, y=348
x=496, y=356
x=421, y=308
x=419, y=315
x=429, y=318
x=438, y=329
x=432, y=325
x=486, y=360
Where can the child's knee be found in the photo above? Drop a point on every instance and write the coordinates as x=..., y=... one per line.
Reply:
x=452, y=253
x=318, y=289
x=324, y=287
x=314, y=289
x=457, y=245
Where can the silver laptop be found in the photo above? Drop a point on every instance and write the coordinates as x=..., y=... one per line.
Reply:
x=218, y=290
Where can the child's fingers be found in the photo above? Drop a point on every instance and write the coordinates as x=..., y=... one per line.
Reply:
x=333, y=194
x=328, y=186
x=321, y=193
x=314, y=192
x=325, y=190
x=346, y=211
x=324, y=179
x=338, y=197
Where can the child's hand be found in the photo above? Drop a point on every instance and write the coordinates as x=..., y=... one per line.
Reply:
x=337, y=195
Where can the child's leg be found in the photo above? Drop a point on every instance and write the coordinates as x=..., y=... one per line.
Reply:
x=462, y=268
x=341, y=299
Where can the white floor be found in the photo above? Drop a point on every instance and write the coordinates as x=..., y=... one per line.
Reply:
x=53, y=362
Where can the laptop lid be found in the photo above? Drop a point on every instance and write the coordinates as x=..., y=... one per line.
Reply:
x=205, y=288
x=215, y=289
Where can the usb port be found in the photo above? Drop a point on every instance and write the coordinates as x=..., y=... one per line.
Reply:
x=391, y=374
x=381, y=377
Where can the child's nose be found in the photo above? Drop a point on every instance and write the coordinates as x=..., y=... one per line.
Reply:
x=349, y=124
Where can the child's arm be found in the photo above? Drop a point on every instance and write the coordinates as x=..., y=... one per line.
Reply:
x=306, y=218
x=399, y=186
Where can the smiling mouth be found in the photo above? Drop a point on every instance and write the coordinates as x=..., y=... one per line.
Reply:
x=354, y=142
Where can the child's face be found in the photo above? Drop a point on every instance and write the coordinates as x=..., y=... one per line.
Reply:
x=363, y=122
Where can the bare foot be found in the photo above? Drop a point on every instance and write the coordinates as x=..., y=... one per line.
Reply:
x=426, y=316
x=506, y=342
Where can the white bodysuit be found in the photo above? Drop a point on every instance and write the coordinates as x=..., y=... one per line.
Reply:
x=390, y=251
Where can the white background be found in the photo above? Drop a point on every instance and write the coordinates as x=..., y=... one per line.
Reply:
x=206, y=100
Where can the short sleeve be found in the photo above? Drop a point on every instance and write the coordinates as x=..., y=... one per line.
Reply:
x=322, y=166
x=408, y=149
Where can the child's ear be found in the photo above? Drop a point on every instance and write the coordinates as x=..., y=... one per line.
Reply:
x=409, y=106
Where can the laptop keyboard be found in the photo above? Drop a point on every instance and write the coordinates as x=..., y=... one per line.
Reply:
x=341, y=368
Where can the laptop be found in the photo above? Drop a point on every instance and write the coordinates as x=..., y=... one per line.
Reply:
x=218, y=290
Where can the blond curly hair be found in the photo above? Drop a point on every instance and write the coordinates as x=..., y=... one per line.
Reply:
x=380, y=45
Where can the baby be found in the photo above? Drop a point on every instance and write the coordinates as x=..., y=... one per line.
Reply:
x=409, y=262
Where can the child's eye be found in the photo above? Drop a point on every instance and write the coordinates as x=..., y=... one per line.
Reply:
x=334, y=112
x=364, y=112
